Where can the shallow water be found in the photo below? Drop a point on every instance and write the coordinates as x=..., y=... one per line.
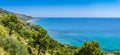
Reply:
x=75, y=31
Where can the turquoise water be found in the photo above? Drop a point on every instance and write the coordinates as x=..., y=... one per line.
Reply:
x=75, y=31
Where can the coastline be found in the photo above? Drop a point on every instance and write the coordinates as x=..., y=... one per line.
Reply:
x=48, y=18
x=28, y=20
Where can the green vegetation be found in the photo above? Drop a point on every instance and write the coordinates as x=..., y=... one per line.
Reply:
x=117, y=53
x=3, y=52
x=34, y=37
x=12, y=46
x=18, y=37
x=11, y=21
x=89, y=48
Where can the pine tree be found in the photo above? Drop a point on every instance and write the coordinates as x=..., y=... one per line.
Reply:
x=11, y=21
x=89, y=48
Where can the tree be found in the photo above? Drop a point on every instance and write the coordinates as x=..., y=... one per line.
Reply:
x=89, y=48
x=11, y=21
x=5, y=20
x=41, y=36
x=39, y=39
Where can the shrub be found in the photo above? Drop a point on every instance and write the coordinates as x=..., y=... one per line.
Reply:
x=25, y=34
x=89, y=48
x=117, y=53
x=13, y=46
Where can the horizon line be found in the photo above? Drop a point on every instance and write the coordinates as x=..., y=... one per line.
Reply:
x=75, y=17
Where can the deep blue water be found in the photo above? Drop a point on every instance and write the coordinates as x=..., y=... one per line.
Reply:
x=75, y=31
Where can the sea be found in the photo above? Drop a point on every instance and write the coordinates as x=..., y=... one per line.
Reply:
x=76, y=31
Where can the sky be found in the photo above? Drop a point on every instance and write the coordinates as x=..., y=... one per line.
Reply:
x=63, y=8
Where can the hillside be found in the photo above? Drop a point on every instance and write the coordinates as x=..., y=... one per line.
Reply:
x=29, y=34
x=18, y=37
x=20, y=16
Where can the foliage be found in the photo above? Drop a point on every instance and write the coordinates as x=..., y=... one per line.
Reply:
x=0, y=31
x=13, y=46
x=3, y=52
x=11, y=21
x=36, y=39
x=25, y=34
x=117, y=53
x=89, y=48
x=30, y=35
